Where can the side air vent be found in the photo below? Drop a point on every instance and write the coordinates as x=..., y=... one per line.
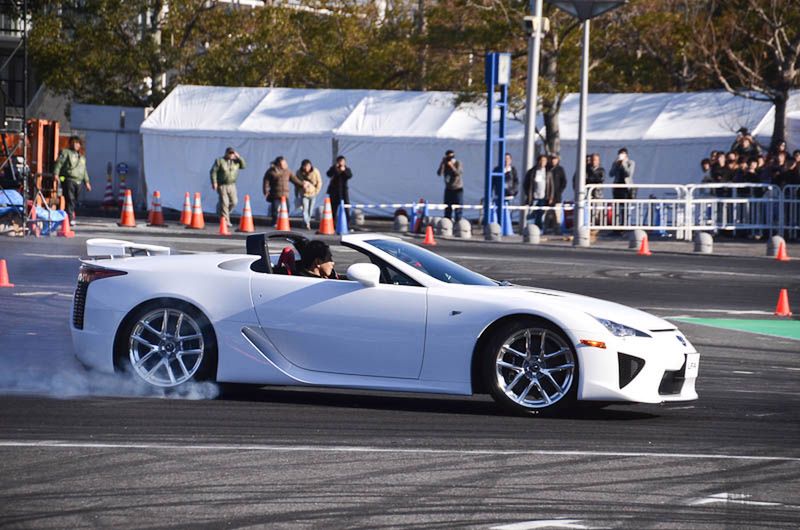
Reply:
x=629, y=367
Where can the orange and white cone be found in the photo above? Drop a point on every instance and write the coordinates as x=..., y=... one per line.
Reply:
x=283, y=217
x=127, y=218
x=246, y=222
x=326, y=225
x=782, y=255
x=186, y=215
x=198, y=221
x=429, y=237
x=4, y=280
x=156, y=216
x=65, y=230
x=223, y=226
x=644, y=248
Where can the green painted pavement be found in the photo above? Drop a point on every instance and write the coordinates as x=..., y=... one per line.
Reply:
x=787, y=329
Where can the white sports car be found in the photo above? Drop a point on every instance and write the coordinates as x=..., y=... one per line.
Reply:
x=406, y=319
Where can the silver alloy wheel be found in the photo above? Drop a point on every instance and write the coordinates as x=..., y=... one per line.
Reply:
x=535, y=368
x=166, y=347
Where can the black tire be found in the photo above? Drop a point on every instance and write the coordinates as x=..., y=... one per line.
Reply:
x=535, y=384
x=173, y=364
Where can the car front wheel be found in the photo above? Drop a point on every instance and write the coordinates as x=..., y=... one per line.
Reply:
x=168, y=343
x=530, y=366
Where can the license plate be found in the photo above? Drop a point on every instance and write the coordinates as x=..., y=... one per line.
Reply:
x=692, y=365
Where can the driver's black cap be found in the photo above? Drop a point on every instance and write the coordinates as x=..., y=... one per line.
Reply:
x=315, y=250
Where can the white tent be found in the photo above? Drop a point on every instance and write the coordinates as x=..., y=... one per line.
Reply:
x=793, y=130
x=394, y=140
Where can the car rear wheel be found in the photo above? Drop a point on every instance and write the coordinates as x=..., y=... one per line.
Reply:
x=169, y=343
x=530, y=366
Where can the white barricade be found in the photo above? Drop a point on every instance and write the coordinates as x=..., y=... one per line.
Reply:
x=791, y=211
x=665, y=208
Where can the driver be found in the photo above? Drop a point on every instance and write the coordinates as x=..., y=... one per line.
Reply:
x=317, y=261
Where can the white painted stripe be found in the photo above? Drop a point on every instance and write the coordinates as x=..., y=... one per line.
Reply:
x=544, y=523
x=44, y=293
x=397, y=450
x=735, y=498
x=707, y=310
x=54, y=256
x=743, y=372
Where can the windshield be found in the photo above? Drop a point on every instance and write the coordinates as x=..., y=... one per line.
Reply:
x=431, y=264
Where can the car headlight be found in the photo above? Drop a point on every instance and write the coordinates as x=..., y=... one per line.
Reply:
x=620, y=330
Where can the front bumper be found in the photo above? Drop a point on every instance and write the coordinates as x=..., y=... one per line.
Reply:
x=654, y=369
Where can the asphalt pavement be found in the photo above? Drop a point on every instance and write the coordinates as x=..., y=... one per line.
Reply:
x=81, y=450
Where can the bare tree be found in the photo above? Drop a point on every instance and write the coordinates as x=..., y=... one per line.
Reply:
x=752, y=48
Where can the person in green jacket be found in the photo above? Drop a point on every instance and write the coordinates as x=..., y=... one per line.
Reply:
x=70, y=170
x=223, y=179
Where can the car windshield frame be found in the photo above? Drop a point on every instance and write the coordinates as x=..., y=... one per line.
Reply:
x=430, y=263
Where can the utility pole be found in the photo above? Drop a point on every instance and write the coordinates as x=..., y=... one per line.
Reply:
x=533, y=27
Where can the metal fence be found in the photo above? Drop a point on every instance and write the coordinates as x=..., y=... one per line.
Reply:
x=758, y=209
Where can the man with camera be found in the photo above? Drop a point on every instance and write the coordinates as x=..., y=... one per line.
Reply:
x=622, y=173
x=223, y=175
x=451, y=170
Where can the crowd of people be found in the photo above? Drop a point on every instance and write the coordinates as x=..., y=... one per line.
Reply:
x=278, y=182
x=747, y=162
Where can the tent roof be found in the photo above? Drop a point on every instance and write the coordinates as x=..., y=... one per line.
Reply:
x=287, y=112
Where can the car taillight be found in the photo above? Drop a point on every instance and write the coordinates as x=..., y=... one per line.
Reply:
x=86, y=275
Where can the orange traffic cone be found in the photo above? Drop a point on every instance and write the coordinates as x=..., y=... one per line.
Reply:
x=186, y=215
x=246, y=222
x=644, y=248
x=283, y=217
x=782, y=309
x=127, y=218
x=223, y=226
x=156, y=216
x=429, y=236
x=326, y=225
x=4, y=275
x=65, y=230
x=198, y=221
x=782, y=255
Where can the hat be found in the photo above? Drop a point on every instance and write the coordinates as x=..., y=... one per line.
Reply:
x=229, y=150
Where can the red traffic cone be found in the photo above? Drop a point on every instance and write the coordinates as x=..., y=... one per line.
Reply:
x=782, y=309
x=186, y=214
x=223, y=226
x=246, y=222
x=283, y=217
x=65, y=230
x=4, y=282
x=326, y=225
x=644, y=248
x=782, y=255
x=198, y=221
x=429, y=236
x=156, y=216
x=127, y=218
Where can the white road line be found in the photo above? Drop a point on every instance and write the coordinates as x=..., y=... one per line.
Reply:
x=745, y=372
x=44, y=293
x=736, y=498
x=60, y=444
x=544, y=523
x=54, y=256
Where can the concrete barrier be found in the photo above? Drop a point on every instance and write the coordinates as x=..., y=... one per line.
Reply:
x=635, y=239
x=531, y=234
x=492, y=232
x=400, y=223
x=444, y=227
x=772, y=245
x=704, y=243
x=463, y=229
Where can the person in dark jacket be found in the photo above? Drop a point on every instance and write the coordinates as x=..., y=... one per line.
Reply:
x=452, y=171
x=276, y=185
x=559, y=178
x=338, y=189
x=510, y=178
x=595, y=174
x=538, y=189
x=316, y=261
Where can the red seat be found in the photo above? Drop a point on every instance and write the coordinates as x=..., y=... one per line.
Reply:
x=286, y=262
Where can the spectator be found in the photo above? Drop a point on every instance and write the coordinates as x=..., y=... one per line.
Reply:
x=622, y=173
x=559, y=178
x=450, y=169
x=705, y=166
x=538, y=187
x=779, y=171
x=224, y=173
x=595, y=174
x=312, y=185
x=276, y=185
x=510, y=180
x=746, y=148
x=70, y=169
x=338, y=187
x=780, y=147
x=793, y=168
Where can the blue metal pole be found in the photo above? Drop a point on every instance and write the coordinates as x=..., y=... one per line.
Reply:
x=491, y=70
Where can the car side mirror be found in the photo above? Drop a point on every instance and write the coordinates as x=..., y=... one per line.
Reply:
x=366, y=274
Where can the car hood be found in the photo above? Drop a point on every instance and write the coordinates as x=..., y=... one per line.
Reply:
x=595, y=307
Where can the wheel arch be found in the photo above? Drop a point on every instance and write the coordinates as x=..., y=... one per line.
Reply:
x=119, y=341
x=476, y=380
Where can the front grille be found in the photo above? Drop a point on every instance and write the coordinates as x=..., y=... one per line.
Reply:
x=79, y=304
x=672, y=382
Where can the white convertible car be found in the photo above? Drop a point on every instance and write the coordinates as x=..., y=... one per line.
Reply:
x=405, y=319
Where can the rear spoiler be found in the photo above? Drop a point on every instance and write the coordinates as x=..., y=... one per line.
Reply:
x=117, y=248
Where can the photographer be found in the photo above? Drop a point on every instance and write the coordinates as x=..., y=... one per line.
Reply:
x=451, y=170
x=622, y=172
x=338, y=187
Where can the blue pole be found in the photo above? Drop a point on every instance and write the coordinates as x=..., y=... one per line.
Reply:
x=491, y=71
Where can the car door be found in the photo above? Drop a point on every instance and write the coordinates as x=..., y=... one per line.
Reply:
x=340, y=326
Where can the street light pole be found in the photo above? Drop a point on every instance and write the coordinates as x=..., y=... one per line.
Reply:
x=532, y=89
x=581, y=233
